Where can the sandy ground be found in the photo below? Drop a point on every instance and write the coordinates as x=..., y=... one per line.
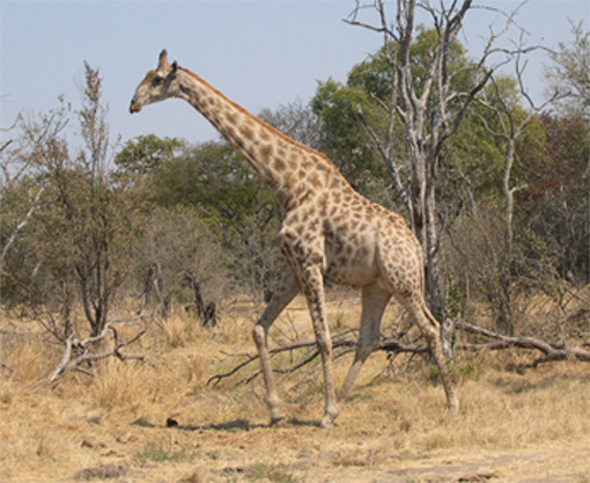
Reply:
x=299, y=453
x=88, y=445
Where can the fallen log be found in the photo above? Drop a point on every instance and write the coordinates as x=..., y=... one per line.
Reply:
x=552, y=352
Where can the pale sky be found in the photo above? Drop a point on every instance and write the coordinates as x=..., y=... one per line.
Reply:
x=259, y=53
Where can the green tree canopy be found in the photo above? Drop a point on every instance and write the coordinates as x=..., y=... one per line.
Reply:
x=233, y=200
x=146, y=152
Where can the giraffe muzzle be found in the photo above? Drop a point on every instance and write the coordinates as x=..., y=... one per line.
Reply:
x=134, y=107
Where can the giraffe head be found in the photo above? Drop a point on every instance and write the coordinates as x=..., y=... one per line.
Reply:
x=157, y=85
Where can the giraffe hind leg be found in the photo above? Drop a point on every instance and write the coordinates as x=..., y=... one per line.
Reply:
x=416, y=307
x=436, y=348
x=374, y=301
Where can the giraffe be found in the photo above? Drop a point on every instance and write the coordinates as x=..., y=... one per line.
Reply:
x=329, y=232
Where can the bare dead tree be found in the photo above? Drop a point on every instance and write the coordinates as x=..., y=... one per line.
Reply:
x=206, y=313
x=512, y=126
x=430, y=115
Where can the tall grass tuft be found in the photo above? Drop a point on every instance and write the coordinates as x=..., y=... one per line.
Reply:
x=119, y=385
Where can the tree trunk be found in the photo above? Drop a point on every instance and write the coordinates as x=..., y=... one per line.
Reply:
x=424, y=225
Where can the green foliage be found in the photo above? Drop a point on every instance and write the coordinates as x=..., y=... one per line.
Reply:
x=554, y=215
x=213, y=176
x=146, y=152
x=343, y=138
x=374, y=76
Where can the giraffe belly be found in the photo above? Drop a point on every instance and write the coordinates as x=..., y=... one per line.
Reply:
x=350, y=263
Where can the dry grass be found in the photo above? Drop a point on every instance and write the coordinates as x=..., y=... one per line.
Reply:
x=512, y=427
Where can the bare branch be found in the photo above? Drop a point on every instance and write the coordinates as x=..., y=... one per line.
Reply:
x=393, y=168
x=382, y=28
x=251, y=358
x=63, y=363
x=5, y=145
x=85, y=350
x=20, y=225
x=342, y=345
x=6, y=366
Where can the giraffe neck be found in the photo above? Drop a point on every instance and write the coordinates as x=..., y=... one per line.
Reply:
x=293, y=171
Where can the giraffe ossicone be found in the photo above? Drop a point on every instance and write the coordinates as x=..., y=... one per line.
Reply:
x=329, y=231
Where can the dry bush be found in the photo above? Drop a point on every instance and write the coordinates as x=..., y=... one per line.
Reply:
x=177, y=243
x=512, y=291
x=26, y=350
x=177, y=330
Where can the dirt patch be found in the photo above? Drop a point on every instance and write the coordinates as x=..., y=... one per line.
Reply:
x=296, y=452
x=103, y=472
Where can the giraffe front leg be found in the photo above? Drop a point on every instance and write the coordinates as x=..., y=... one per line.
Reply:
x=286, y=291
x=312, y=284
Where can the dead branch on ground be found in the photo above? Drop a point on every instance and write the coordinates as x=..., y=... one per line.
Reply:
x=78, y=352
x=341, y=345
x=551, y=352
x=344, y=344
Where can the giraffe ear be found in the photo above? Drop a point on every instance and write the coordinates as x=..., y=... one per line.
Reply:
x=162, y=61
x=173, y=70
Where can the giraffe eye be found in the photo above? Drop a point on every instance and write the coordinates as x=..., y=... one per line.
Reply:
x=157, y=81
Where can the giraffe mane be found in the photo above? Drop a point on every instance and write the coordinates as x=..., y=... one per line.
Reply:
x=267, y=126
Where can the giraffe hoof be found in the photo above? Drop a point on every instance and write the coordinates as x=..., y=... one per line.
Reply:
x=276, y=419
x=327, y=422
